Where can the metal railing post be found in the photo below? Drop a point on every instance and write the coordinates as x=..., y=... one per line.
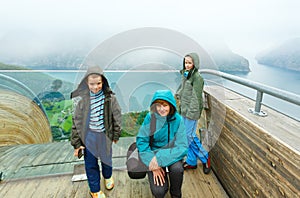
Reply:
x=259, y=96
x=261, y=89
x=257, y=110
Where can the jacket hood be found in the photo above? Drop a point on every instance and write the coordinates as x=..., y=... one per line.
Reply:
x=164, y=95
x=196, y=61
x=83, y=87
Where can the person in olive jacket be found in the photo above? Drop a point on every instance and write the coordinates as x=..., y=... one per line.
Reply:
x=189, y=95
x=96, y=124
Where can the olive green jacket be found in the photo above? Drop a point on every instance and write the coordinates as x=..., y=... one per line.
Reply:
x=81, y=116
x=189, y=93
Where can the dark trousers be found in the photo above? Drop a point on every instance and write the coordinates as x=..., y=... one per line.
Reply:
x=175, y=177
x=96, y=148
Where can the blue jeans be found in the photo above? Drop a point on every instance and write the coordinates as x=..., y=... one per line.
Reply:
x=195, y=149
x=96, y=148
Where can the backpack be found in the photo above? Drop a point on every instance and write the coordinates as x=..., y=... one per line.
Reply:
x=136, y=169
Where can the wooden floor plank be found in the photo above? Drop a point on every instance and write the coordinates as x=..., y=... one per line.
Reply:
x=35, y=176
x=195, y=184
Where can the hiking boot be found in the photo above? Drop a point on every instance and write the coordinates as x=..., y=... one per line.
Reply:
x=99, y=194
x=206, y=166
x=187, y=166
x=109, y=183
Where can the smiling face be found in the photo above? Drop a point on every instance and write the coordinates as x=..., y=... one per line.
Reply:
x=94, y=82
x=188, y=63
x=162, y=108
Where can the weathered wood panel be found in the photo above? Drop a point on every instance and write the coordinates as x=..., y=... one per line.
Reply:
x=247, y=158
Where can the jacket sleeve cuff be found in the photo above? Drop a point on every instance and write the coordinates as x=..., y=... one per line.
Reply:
x=158, y=159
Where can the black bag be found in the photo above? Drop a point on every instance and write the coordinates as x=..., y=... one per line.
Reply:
x=136, y=169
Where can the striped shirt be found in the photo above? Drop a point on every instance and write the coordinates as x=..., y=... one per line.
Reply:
x=96, y=116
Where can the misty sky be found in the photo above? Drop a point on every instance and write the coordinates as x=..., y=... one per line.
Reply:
x=247, y=26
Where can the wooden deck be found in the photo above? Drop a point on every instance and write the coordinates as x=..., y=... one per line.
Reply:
x=45, y=170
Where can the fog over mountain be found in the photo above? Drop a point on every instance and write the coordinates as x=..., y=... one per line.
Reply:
x=226, y=60
x=60, y=33
x=36, y=51
x=286, y=55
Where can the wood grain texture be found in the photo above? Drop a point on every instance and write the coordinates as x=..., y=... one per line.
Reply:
x=22, y=121
x=254, y=156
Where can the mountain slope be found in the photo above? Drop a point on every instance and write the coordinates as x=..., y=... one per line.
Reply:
x=287, y=55
x=226, y=60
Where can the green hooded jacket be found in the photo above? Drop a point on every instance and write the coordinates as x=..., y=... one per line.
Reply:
x=189, y=93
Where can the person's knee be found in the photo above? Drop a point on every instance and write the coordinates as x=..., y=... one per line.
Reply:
x=158, y=192
x=177, y=167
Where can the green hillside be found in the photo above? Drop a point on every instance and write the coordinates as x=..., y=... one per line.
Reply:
x=40, y=84
x=11, y=67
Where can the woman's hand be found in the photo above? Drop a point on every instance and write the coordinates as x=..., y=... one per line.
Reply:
x=153, y=165
x=159, y=176
x=76, y=150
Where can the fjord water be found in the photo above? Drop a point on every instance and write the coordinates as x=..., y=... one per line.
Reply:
x=135, y=88
x=280, y=78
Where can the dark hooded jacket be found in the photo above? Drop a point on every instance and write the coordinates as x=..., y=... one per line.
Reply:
x=81, y=100
x=169, y=143
x=189, y=93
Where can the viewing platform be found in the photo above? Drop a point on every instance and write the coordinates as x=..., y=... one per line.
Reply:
x=251, y=155
x=46, y=170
